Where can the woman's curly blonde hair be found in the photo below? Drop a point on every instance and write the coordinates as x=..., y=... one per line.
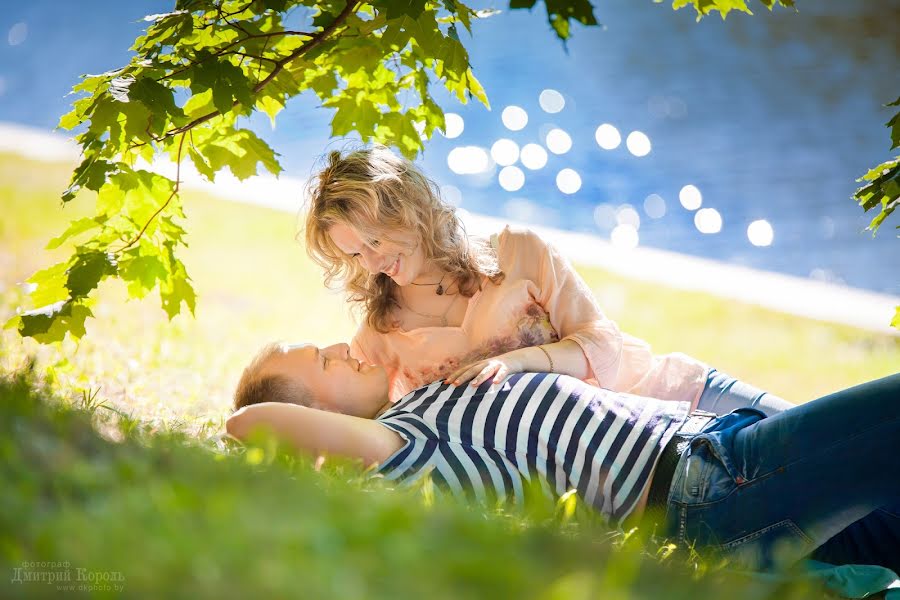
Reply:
x=376, y=193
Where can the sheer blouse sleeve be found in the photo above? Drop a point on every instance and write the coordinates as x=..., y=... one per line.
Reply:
x=574, y=312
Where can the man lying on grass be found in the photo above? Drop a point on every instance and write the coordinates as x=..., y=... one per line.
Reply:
x=821, y=479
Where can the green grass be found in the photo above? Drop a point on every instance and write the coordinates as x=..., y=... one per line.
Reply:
x=256, y=285
x=134, y=481
x=166, y=516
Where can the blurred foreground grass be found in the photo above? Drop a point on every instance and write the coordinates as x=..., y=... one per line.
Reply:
x=177, y=513
x=164, y=516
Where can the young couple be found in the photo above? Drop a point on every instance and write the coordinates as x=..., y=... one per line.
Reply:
x=487, y=363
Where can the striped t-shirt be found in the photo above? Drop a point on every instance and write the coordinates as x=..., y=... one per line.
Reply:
x=486, y=441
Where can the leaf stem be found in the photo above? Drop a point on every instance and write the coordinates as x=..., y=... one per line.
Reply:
x=280, y=64
x=174, y=193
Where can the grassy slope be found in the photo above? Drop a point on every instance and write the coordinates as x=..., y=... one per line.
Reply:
x=185, y=520
x=170, y=520
x=255, y=285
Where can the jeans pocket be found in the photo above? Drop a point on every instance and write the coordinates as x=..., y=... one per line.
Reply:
x=777, y=544
x=713, y=447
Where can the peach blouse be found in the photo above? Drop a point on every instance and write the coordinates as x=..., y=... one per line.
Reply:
x=541, y=300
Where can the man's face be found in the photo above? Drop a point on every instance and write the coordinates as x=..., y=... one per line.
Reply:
x=338, y=382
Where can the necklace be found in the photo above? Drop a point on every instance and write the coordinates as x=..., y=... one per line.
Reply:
x=442, y=317
x=440, y=288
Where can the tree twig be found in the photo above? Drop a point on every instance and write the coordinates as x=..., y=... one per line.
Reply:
x=280, y=64
x=174, y=193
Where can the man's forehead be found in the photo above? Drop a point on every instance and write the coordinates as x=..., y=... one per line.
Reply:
x=295, y=346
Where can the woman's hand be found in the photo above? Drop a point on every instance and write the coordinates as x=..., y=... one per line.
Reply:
x=498, y=367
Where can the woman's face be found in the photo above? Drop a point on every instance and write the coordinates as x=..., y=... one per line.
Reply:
x=402, y=259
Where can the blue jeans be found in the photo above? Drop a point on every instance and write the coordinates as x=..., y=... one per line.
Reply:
x=723, y=394
x=820, y=479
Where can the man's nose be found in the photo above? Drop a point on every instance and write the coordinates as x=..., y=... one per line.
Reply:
x=340, y=351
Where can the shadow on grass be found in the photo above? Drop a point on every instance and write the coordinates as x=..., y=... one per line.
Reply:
x=139, y=512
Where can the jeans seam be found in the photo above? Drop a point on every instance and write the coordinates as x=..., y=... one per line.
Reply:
x=833, y=445
x=762, y=531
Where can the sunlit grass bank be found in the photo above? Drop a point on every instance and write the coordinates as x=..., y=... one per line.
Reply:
x=255, y=284
x=165, y=516
x=110, y=461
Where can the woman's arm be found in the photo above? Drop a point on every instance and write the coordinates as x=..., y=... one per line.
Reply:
x=591, y=344
x=564, y=357
x=317, y=431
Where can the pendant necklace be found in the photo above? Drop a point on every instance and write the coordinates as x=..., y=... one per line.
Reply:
x=442, y=317
x=440, y=286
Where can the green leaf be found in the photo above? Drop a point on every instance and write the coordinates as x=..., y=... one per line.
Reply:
x=159, y=100
x=51, y=323
x=240, y=151
x=91, y=173
x=895, y=322
x=75, y=228
x=200, y=103
x=271, y=106
x=201, y=165
x=560, y=13
x=88, y=270
x=142, y=268
x=399, y=8
x=894, y=125
x=50, y=285
x=227, y=82
x=176, y=289
x=723, y=7
x=883, y=190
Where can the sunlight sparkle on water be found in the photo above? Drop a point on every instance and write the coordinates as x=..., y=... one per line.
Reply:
x=655, y=206
x=533, y=156
x=514, y=118
x=690, y=197
x=624, y=236
x=511, y=178
x=605, y=216
x=17, y=34
x=760, y=233
x=638, y=143
x=626, y=215
x=453, y=125
x=568, y=181
x=552, y=101
x=451, y=195
x=505, y=152
x=468, y=160
x=608, y=137
x=708, y=220
x=558, y=141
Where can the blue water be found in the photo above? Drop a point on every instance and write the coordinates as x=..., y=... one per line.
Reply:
x=772, y=117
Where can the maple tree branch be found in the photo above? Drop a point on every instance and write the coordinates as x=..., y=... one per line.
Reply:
x=174, y=193
x=280, y=64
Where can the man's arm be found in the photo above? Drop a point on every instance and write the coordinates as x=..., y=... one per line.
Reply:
x=317, y=431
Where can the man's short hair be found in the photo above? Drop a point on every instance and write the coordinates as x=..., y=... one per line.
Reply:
x=255, y=387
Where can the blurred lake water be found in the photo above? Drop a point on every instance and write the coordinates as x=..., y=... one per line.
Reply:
x=737, y=140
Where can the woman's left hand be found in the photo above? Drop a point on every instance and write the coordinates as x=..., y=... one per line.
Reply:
x=498, y=367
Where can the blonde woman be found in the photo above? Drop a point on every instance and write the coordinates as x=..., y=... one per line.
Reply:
x=439, y=305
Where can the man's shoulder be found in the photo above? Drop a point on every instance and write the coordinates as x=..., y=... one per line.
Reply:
x=528, y=384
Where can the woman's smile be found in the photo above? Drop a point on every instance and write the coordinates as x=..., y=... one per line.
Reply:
x=394, y=268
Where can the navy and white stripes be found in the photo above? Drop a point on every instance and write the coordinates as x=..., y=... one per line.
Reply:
x=485, y=442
